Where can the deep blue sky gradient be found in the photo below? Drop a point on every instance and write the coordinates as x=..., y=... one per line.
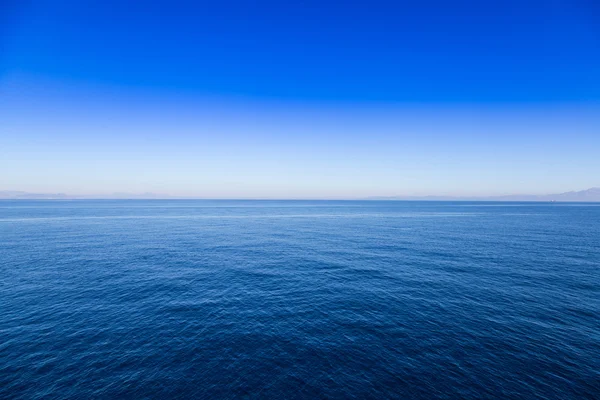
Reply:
x=426, y=51
x=271, y=95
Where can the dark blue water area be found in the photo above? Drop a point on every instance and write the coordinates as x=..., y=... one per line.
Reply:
x=299, y=299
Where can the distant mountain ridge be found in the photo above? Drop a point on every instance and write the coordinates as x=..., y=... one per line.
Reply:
x=19, y=195
x=13, y=194
x=591, y=194
x=588, y=195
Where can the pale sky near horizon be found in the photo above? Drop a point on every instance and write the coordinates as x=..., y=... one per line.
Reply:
x=269, y=101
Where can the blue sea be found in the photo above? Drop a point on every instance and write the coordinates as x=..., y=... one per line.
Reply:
x=161, y=299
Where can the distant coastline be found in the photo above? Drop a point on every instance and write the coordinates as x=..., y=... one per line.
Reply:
x=588, y=195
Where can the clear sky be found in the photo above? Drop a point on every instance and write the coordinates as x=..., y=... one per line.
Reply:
x=312, y=99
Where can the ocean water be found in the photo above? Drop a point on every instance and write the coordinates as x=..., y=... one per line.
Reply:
x=293, y=299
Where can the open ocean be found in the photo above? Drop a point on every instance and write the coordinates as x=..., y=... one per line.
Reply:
x=164, y=299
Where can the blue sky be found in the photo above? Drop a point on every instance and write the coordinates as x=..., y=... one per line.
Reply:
x=306, y=100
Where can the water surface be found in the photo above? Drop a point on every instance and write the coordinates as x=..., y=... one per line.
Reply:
x=295, y=299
